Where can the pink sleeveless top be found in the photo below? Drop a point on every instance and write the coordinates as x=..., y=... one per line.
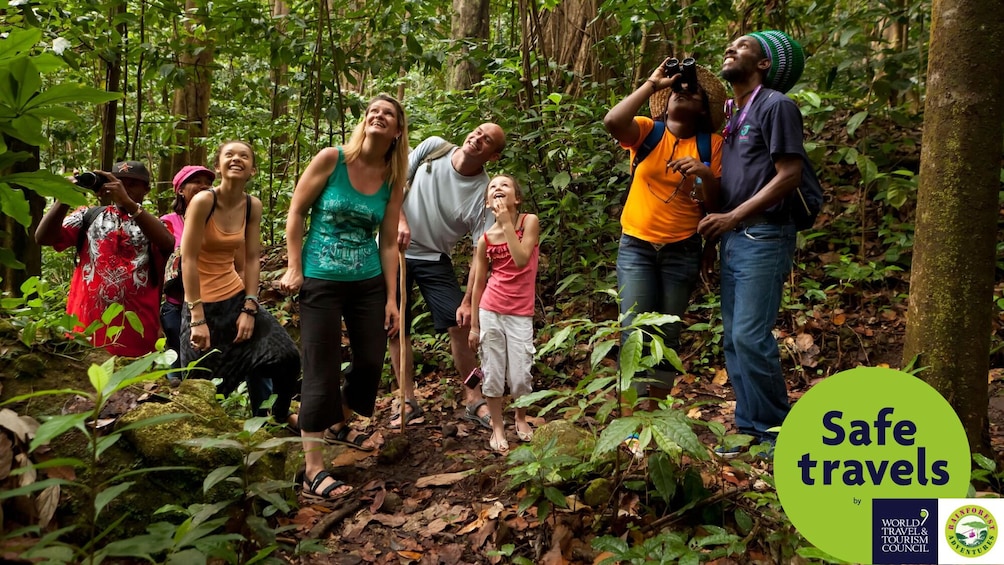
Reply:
x=510, y=289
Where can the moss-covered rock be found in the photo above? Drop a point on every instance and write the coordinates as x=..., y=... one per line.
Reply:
x=598, y=492
x=174, y=442
x=30, y=364
x=7, y=329
x=571, y=440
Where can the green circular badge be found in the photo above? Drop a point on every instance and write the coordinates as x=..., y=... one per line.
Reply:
x=864, y=434
x=971, y=531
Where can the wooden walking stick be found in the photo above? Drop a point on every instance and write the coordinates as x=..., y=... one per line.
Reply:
x=402, y=303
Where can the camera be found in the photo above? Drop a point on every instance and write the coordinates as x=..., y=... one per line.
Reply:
x=688, y=71
x=474, y=379
x=90, y=180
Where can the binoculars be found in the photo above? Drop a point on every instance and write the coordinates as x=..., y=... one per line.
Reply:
x=687, y=68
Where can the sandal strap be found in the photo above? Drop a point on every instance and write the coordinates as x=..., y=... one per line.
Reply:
x=318, y=479
x=333, y=486
x=342, y=434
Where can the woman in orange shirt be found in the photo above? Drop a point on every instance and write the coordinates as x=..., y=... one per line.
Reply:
x=222, y=319
x=659, y=256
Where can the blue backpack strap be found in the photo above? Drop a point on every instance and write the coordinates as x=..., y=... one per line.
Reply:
x=651, y=140
x=647, y=145
x=704, y=147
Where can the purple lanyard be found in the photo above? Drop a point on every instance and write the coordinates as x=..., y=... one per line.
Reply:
x=742, y=115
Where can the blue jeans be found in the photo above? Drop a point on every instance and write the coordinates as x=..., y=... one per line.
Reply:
x=756, y=262
x=170, y=320
x=651, y=279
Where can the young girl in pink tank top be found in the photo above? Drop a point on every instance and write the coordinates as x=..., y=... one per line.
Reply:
x=505, y=267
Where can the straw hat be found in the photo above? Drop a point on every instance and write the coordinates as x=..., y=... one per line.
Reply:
x=711, y=84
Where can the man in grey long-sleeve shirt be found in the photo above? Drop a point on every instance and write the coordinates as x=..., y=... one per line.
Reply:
x=445, y=203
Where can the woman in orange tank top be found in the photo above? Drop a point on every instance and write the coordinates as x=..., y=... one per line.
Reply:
x=223, y=327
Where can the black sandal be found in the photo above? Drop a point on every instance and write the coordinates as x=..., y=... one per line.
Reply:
x=415, y=416
x=341, y=437
x=313, y=493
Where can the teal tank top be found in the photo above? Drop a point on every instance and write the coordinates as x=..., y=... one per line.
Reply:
x=341, y=234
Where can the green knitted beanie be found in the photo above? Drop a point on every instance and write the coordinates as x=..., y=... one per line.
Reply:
x=787, y=59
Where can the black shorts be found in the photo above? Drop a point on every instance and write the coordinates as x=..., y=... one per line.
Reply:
x=437, y=281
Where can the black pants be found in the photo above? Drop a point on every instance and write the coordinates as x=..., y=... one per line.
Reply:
x=268, y=362
x=323, y=306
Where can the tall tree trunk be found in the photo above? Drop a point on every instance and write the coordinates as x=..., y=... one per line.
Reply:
x=949, y=321
x=470, y=25
x=280, y=107
x=191, y=102
x=16, y=237
x=113, y=83
x=568, y=36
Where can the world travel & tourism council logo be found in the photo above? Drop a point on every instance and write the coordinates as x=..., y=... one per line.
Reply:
x=971, y=531
x=903, y=531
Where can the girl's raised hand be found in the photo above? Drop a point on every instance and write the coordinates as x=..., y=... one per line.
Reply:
x=501, y=210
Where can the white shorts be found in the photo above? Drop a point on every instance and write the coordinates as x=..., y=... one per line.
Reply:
x=506, y=353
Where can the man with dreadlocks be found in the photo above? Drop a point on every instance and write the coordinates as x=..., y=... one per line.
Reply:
x=763, y=163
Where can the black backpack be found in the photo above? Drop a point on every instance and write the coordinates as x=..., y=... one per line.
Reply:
x=804, y=202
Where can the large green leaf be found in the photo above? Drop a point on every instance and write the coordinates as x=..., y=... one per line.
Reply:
x=614, y=434
x=17, y=42
x=48, y=62
x=28, y=128
x=14, y=204
x=49, y=185
x=56, y=426
x=155, y=421
x=673, y=428
x=29, y=80
x=60, y=113
x=630, y=357
x=600, y=352
x=216, y=476
x=109, y=494
x=68, y=92
x=99, y=376
x=8, y=259
x=662, y=473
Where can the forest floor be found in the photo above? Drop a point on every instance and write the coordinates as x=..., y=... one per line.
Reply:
x=437, y=494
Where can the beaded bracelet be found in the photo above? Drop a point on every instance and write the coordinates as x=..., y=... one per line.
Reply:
x=201, y=322
x=249, y=311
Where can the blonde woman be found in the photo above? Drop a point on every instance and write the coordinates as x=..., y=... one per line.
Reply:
x=348, y=194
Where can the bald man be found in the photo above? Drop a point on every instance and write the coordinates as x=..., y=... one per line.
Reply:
x=445, y=203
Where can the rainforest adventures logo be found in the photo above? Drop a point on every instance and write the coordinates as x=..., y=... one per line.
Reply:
x=971, y=530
